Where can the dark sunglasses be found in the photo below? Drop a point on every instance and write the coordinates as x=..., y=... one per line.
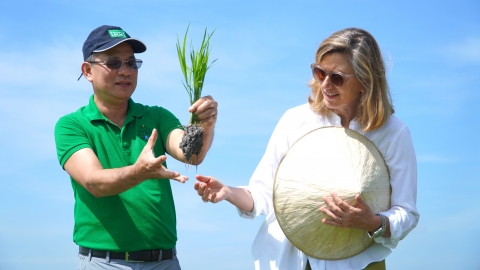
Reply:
x=337, y=78
x=117, y=63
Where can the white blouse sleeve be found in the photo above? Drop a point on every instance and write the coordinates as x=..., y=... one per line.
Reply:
x=403, y=214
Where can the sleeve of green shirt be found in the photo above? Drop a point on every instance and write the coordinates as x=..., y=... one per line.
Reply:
x=70, y=136
x=165, y=122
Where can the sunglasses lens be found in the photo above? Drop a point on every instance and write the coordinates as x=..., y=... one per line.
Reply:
x=134, y=63
x=319, y=74
x=113, y=63
x=116, y=63
x=336, y=79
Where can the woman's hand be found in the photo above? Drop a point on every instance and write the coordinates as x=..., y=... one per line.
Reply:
x=345, y=215
x=211, y=189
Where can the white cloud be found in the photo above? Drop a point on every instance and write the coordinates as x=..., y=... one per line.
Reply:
x=464, y=52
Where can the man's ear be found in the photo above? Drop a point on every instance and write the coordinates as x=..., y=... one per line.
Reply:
x=87, y=71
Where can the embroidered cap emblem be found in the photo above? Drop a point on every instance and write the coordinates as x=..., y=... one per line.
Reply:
x=117, y=34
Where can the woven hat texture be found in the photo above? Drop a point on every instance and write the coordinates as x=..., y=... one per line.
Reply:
x=328, y=159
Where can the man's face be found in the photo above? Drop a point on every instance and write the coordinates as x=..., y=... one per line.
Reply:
x=113, y=86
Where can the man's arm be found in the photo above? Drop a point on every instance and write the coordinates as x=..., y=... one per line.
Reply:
x=206, y=109
x=85, y=168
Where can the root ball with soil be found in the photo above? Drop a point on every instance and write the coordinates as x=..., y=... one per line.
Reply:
x=192, y=141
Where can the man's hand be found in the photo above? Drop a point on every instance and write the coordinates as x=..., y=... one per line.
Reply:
x=206, y=110
x=148, y=166
x=85, y=168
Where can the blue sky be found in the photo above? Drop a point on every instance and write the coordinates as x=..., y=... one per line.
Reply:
x=264, y=49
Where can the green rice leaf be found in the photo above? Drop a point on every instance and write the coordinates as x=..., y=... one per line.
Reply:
x=194, y=75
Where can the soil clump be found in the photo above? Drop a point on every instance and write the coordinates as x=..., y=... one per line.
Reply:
x=192, y=141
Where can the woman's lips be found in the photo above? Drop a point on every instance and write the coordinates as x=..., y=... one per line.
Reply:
x=330, y=95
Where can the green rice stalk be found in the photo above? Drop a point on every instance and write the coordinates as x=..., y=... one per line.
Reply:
x=194, y=75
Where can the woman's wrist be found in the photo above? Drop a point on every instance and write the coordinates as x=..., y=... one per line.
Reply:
x=375, y=224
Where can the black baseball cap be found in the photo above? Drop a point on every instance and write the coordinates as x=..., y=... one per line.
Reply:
x=106, y=37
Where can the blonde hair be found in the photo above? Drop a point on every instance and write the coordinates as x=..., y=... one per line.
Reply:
x=375, y=105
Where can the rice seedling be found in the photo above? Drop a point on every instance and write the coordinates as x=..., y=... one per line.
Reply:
x=194, y=76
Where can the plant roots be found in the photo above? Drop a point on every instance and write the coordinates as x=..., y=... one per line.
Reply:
x=192, y=141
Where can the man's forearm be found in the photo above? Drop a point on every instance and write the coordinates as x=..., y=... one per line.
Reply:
x=108, y=182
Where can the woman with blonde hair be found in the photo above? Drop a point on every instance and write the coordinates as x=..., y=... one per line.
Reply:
x=349, y=90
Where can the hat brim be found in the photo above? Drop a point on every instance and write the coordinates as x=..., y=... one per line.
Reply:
x=329, y=159
x=137, y=45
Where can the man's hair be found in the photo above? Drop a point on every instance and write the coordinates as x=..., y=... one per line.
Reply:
x=375, y=105
x=91, y=57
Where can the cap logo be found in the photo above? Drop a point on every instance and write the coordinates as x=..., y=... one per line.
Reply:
x=117, y=34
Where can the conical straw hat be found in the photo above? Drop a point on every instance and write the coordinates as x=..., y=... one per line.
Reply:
x=329, y=159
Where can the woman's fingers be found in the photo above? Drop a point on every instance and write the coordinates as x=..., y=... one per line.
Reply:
x=205, y=196
x=200, y=188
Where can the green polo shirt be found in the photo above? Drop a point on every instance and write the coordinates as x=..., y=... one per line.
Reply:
x=140, y=218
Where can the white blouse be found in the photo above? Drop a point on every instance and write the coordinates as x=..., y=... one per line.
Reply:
x=272, y=250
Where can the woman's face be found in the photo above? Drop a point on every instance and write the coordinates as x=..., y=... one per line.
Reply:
x=341, y=99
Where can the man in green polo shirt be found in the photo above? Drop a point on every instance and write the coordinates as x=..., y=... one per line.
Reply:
x=114, y=151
